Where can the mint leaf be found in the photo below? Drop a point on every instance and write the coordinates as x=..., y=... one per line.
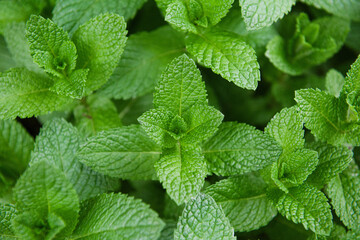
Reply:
x=244, y=201
x=145, y=56
x=181, y=170
x=7, y=213
x=124, y=152
x=45, y=190
x=351, y=86
x=307, y=205
x=117, y=216
x=25, y=94
x=93, y=41
x=226, y=54
x=258, y=14
x=334, y=82
x=202, y=218
x=7, y=61
x=239, y=148
x=178, y=16
x=326, y=115
x=70, y=15
x=180, y=86
x=57, y=144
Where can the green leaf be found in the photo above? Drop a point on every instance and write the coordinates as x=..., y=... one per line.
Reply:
x=145, y=56
x=202, y=218
x=325, y=116
x=332, y=160
x=96, y=114
x=307, y=205
x=261, y=13
x=177, y=15
x=25, y=94
x=244, y=201
x=226, y=54
x=239, y=148
x=45, y=190
x=168, y=231
x=180, y=86
x=286, y=127
x=7, y=213
x=71, y=14
x=345, y=198
x=181, y=171
x=57, y=144
x=346, y=8
x=117, y=216
x=124, y=152
x=334, y=82
x=7, y=60
x=352, y=86
x=95, y=40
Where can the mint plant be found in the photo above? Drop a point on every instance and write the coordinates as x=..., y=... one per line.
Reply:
x=179, y=119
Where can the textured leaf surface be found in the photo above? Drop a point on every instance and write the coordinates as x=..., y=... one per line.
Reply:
x=244, y=201
x=324, y=115
x=334, y=82
x=25, y=94
x=125, y=152
x=261, y=13
x=100, y=43
x=181, y=171
x=116, y=216
x=7, y=213
x=202, y=218
x=239, y=148
x=145, y=56
x=57, y=144
x=307, y=205
x=177, y=15
x=352, y=86
x=226, y=54
x=180, y=86
x=71, y=14
x=45, y=189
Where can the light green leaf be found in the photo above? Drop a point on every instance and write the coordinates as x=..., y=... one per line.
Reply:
x=182, y=171
x=71, y=14
x=325, y=116
x=286, y=127
x=95, y=40
x=45, y=190
x=180, y=86
x=244, y=201
x=145, y=56
x=261, y=13
x=177, y=14
x=332, y=160
x=239, y=148
x=202, y=218
x=25, y=94
x=352, y=86
x=345, y=8
x=307, y=205
x=73, y=85
x=124, y=152
x=7, y=213
x=7, y=61
x=226, y=54
x=334, y=82
x=116, y=216
x=57, y=144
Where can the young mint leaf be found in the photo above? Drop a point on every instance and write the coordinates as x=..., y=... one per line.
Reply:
x=239, y=148
x=325, y=116
x=72, y=86
x=70, y=14
x=145, y=56
x=307, y=205
x=7, y=213
x=286, y=127
x=124, y=152
x=352, y=86
x=94, y=41
x=57, y=144
x=97, y=113
x=181, y=170
x=180, y=86
x=258, y=14
x=244, y=201
x=334, y=82
x=45, y=190
x=117, y=216
x=345, y=8
x=226, y=54
x=202, y=218
x=342, y=190
x=177, y=14
x=24, y=94
x=332, y=160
